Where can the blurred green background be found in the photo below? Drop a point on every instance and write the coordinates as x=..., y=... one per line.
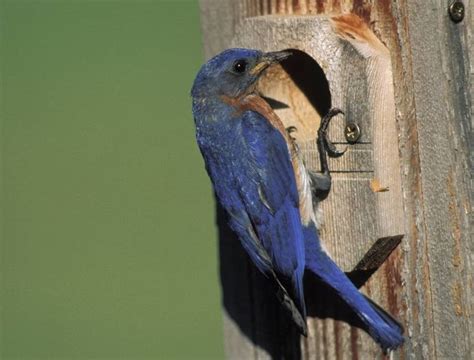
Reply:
x=108, y=241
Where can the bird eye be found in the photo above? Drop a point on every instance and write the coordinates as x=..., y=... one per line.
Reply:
x=240, y=66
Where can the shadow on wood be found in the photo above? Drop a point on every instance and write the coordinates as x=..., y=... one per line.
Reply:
x=250, y=303
x=323, y=302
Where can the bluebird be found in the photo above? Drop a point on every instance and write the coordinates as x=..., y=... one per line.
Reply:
x=268, y=195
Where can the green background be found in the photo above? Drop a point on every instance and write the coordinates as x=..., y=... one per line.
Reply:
x=108, y=240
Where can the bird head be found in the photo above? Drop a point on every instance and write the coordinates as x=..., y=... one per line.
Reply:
x=233, y=72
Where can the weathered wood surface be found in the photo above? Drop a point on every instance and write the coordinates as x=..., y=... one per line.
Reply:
x=428, y=282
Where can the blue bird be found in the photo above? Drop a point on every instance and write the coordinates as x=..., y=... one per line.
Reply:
x=269, y=196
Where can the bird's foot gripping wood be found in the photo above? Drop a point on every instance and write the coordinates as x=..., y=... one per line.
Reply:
x=290, y=130
x=321, y=182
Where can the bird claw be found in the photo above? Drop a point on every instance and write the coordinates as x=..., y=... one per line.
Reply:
x=331, y=149
x=328, y=145
x=321, y=183
x=291, y=129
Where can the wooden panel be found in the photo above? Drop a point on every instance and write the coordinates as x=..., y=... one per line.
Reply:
x=437, y=67
x=428, y=281
x=218, y=21
x=357, y=158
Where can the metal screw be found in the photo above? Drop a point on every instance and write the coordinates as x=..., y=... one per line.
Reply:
x=456, y=11
x=352, y=132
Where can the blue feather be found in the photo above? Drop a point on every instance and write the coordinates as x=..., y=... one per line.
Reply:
x=249, y=163
x=385, y=330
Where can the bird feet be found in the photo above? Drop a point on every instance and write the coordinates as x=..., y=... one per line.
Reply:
x=323, y=138
x=321, y=182
x=290, y=130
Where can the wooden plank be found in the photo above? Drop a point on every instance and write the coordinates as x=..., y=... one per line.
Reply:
x=427, y=281
x=437, y=62
x=357, y=158
x=218, y=21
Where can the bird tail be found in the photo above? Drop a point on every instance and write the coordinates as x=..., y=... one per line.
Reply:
x=381, y=326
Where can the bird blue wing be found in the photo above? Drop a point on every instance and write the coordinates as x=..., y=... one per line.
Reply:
x=267, y=188
x=254, y=181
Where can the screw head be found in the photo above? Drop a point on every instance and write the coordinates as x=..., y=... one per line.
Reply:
x=352, y=133
x=456, y=11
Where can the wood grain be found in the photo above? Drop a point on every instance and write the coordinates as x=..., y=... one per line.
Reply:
x=426, y=122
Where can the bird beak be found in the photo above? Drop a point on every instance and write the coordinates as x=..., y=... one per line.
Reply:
x=268, y=59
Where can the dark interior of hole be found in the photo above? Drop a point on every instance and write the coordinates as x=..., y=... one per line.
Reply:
x=309, y=77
